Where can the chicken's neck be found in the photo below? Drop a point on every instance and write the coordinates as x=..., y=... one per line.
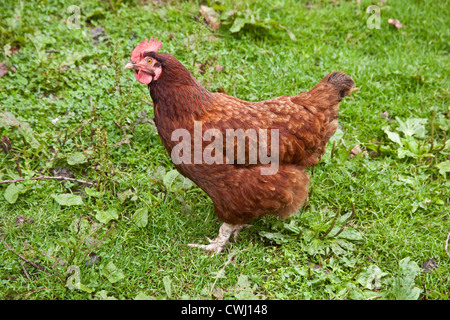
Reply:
x=179, y=95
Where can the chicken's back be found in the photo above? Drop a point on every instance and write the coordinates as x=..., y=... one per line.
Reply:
x=239, y=191
x=304, y=123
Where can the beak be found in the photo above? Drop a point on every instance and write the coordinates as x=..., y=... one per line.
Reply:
x=129, y=65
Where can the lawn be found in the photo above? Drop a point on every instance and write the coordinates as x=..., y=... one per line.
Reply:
x=117, y=223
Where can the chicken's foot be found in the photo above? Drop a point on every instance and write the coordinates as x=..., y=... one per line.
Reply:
x=218, y=245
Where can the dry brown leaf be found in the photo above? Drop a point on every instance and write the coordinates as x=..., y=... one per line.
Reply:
x=20, y=219
x=218, y=293
x=356, y=149
x=61, y=172
x=6, y=144
x=210, y=16
x=219, y=68
x=429, y=265
x=123, y=141
x=3, y=69
x=395, y=23
x=212, y=39
x=384, y=115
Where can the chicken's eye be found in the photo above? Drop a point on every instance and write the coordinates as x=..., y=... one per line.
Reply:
x=149, y=61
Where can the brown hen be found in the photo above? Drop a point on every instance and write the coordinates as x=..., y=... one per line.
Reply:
x=287, y=134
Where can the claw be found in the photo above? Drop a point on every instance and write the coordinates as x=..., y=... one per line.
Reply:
x=218, y=245
x=213, y=247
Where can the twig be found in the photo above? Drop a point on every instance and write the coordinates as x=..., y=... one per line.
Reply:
x=331, y=227
x=26, y=260
x=332, y=149
x=50, y=178
x=149, y=103
x=432, y=131
x=25, y=270
x=446, y=243
x=92, y=104
x=345, y=222
x=17, y=160
x=230, y=259
x=443, y=146
x=117, y=125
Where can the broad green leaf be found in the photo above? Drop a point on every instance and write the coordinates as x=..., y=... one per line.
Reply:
x=316, y=246
x=409, y=269
x=169, y=178
x=112, y=273
x=402, y=152
x=7, y=119
x=337, y=136
x=12, y=192
x=412, y=127
x=244, y=289
x=74, y=280
x=103, y=295
x=124, y=195
x=67, y=199
x=337, y=249
x=238, y=24
x=79, y=225
x=29, y=135
x=292, y=226
x=403, y=286
x=408, y=180
x=393, y=136
x=140, y=217
x=277, y=24
x=76, y=158
x=371, y=278
x=91, y=192
x=107, y=216
x=186, y=183
x=351, y=234
x=345, y=244
x=447, y=145
x=227, y=13
x=85, y=288
x=342, y=154
x=403, y=291
x=277, y=237
x=143, y=296
x=443, y=167
x=168, y=286
x=356, y=294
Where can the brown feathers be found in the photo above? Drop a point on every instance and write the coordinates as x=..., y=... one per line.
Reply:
x=240, y=193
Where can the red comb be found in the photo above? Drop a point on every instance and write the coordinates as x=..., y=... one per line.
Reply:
x=145, y=46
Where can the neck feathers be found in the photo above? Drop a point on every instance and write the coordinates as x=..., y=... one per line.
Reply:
x=177, y=93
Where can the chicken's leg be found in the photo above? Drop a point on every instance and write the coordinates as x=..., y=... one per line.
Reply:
x=222, y=239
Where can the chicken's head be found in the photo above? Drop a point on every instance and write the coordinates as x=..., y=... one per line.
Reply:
x=146, y=68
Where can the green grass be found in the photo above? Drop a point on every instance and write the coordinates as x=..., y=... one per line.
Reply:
x=399, y=189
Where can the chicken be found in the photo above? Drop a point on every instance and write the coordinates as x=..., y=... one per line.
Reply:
x=244, y=179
